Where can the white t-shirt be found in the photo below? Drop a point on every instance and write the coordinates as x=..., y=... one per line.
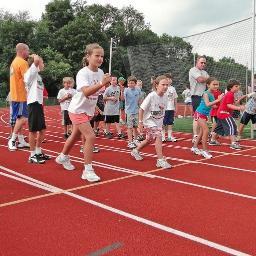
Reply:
x=34, y=85
x=171, y=95
x=154, y=107
x=195, y=87
x=62, y=93
x=187, y=95
x=79, y=103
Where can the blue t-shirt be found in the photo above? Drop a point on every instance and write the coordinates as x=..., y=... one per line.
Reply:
x=202, y=108
x=132, y=97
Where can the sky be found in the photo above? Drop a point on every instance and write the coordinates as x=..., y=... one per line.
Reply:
x=174, y=17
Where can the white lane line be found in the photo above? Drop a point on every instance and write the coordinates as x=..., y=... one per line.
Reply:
x=148, y=175
x=141, y=220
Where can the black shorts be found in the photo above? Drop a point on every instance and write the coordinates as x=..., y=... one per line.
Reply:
x=112, y=119
x=226, y=127
x=246, y=117
x=36, y=121
x=168, y=117
x=236, y=113
x=195, y=101
x=65, y=118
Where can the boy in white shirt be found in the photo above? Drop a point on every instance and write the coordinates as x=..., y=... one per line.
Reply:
x=36, y=120
x=169, y=112
x=64, y=97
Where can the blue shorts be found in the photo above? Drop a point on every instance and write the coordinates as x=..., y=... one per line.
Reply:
x=168, y=117
x=17, y=110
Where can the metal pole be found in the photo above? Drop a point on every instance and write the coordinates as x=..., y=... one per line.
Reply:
x=110, y=55
x=252, y=57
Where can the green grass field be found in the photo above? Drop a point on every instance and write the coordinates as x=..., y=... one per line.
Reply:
x=185, y=125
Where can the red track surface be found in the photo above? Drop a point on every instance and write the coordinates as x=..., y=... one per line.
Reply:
x=200, y=207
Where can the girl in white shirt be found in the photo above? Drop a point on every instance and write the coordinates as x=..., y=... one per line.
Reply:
x=151, y=115
x=89, y=80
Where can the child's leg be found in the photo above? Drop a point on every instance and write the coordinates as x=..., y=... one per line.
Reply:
x=71, y=140
x=169, y=131
x=135, y=132
x=32, y=142
x=240, y=129
x=87, y=131
x=205, y=131
x=185, y=110
x=159, y=147
x=198, y=138
x=129, y=133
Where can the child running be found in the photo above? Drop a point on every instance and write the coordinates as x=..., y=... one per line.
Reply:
x=201, y=116
x=226, y=125
x=151, y=114
x=90, y=80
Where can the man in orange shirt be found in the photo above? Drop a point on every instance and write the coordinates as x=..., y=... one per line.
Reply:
x=18, y=96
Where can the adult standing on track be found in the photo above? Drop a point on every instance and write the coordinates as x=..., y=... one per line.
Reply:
x=197, y=79
x=18, y=95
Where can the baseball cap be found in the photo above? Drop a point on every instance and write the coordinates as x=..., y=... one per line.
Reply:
x=121, y=79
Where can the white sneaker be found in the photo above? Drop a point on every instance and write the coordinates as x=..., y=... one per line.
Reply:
x=12, y=145
x=172, y=139
x=196, y=151
x=206, y=154
x=131, y=145
x=235, y=145
x=65, y=161
x=162, y=163
x=136, y=154
x=136, y=142
x=90, y=176
x=23, y=144
x=81, y=149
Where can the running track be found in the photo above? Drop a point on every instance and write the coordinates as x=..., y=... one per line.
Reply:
x=200, y=207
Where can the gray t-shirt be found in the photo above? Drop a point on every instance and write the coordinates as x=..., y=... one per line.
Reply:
x=112, y=107
x=195, y=87
x=250, y=106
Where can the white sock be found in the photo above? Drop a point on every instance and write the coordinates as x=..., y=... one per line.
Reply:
x=20, y=138
x=88, y=167
x=169, y=133
x=14, y=137
x=38, y=150
x=163, y=134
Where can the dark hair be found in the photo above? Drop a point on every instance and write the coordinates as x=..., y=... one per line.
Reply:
x=199, y=57
x=210, y=79
x=132, y=78
x=231, y=83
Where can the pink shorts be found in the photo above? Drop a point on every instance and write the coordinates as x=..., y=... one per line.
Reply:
x=201, y=116
x=79, y=118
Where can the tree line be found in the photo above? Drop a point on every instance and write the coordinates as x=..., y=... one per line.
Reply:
x=66, y=27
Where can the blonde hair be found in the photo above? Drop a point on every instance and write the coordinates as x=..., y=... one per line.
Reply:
x=88, y=51
x=68, y=79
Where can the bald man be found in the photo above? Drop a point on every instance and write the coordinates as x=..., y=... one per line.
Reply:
x=18, y=96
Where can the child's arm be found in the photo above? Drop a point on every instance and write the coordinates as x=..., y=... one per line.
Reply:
x=211, y=103
x=234, y=107
x=90, y=90
x=141, y=114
